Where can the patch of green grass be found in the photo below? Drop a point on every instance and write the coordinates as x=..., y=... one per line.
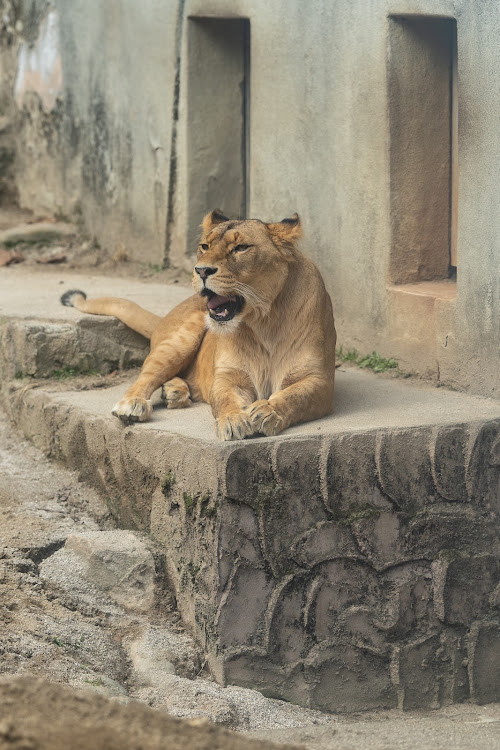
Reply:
x=95, y=683
x=70, y=372
x=210, y=511
x=16, y=241
x=349, y=355
x=70, y=645
x=377, y=363
x=372, y=361
x=189, y=502
x=168, y=483
x=59, y=374
x=202, y=500
x=155, y=268
x=207, y=510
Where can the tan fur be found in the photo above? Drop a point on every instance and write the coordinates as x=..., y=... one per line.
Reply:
x=271, y=366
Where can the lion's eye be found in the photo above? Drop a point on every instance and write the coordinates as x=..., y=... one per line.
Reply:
x=204, y=246
x=240, y=248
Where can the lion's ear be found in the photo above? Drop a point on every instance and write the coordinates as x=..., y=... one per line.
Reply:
x=287, y=230
x=212, y=219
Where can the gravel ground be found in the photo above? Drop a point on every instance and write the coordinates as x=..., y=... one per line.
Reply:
x=58, y=622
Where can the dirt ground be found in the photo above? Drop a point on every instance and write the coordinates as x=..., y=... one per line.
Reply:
x=36, y=715
x=59, y=624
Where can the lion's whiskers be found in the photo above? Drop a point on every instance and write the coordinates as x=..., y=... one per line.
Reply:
x=249, y=294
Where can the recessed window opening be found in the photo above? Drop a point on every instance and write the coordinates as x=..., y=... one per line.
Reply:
x=217, y=119
x=423, y=148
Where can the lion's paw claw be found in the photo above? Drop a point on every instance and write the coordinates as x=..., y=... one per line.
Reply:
x=264, y=418
x=131, y=410
x=233, y=427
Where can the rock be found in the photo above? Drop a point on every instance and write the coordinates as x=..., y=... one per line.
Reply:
x=98, y=570
x=420, y=669
x=158, y=652
x=42, y=231
x=10, y=256
x=118, y=563
x=347, y=679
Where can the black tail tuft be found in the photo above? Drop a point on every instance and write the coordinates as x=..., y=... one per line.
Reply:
x=67, y=297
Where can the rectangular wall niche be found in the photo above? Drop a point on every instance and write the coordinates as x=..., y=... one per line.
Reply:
x=217, y=119
x=423, y=170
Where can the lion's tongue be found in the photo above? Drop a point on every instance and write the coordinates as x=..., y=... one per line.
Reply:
x=218, y=300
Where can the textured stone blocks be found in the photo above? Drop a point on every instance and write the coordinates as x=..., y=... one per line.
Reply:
x=39, y=348
x=344, y=572
x=464, y=587
x=381, y=551
x=484, y=661
x=359, y=678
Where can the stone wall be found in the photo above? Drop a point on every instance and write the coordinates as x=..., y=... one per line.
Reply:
x=355, y=575
x=345, y=573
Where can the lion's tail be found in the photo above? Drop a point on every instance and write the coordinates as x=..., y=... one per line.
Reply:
x=132, y=315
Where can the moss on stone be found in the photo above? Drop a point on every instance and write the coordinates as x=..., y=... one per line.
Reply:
x=360, y=513
x=267, y=493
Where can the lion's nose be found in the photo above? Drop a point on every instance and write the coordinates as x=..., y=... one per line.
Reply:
x=204, y=271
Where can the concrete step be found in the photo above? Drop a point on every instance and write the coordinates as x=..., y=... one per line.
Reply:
x=352, y=563
x=39, y=336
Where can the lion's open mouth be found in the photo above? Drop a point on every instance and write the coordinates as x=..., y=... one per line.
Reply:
x=222, y=308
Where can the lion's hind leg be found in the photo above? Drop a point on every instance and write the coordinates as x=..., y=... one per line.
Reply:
x=176, y=394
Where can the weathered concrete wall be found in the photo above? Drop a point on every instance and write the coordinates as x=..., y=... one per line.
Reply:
x=94, y=89
x=46, y=167
x=317, y=114
x=472, y=355
x=8, y=65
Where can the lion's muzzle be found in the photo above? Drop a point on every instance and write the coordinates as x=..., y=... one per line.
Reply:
x=221, y=308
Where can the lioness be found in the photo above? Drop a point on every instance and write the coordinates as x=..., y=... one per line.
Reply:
x=256, y=341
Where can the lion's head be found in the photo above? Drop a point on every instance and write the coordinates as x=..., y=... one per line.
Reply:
x=242, y=265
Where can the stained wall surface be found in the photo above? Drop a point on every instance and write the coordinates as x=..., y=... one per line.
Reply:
x=104, y=131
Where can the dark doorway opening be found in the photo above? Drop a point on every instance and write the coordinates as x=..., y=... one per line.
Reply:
x=217, y=119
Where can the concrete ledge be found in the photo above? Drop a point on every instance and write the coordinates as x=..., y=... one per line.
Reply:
x=39, y=336
x=337, y=567
x=41, y=349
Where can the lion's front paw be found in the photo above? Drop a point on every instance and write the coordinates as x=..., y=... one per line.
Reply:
x=264, y=418
x=233, y=426
x=131, y=410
